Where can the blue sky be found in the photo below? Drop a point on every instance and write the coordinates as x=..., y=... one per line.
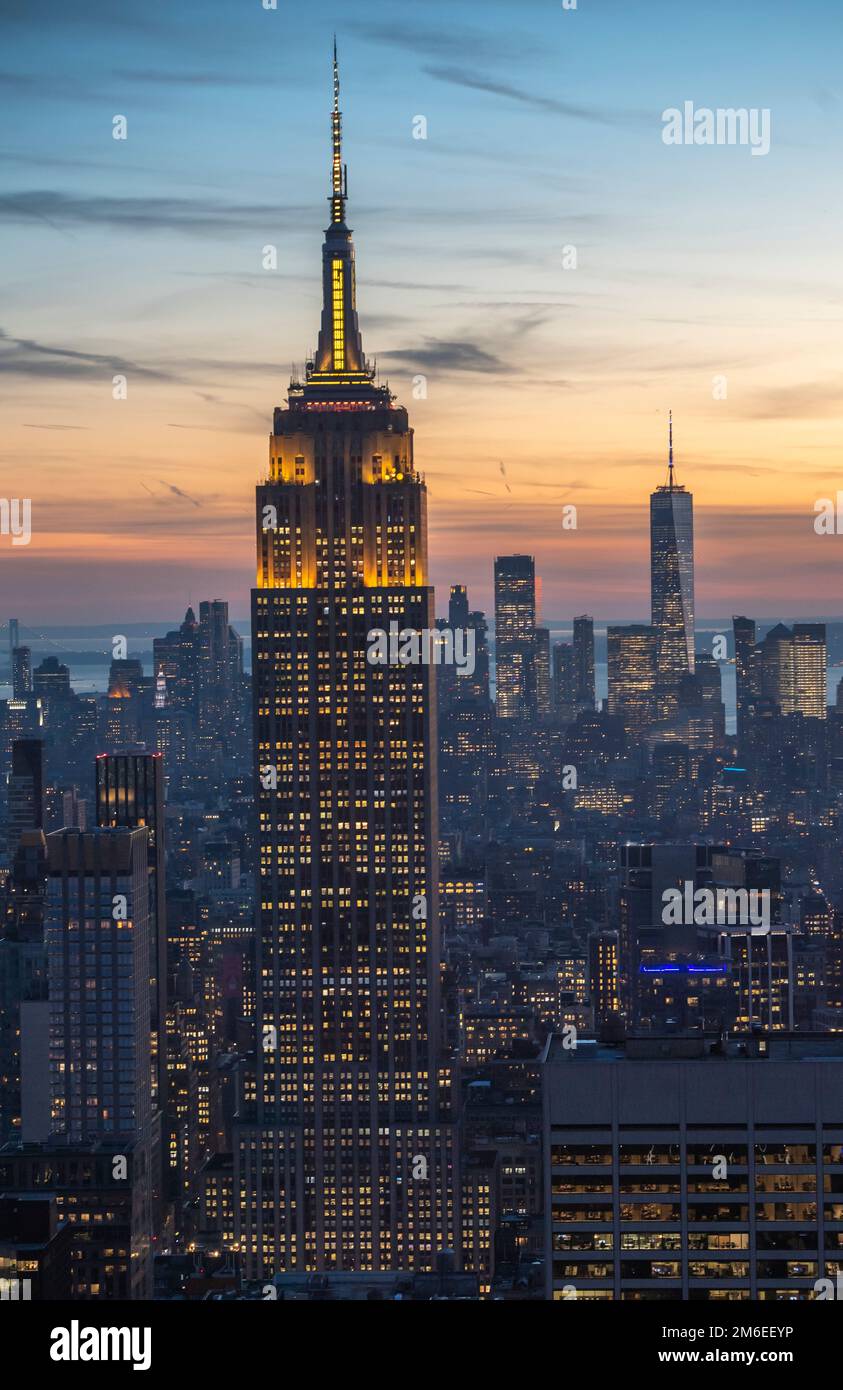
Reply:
x=544, y=130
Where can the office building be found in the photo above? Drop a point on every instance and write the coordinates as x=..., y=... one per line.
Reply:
x=21, y=672
x=564, y=682
x=130, y=795
x=351, y=1090
x=97, y=938
x=672, y=585
x=693, y=1168
x=632, y=676
x=583, y=646
x=515, y=625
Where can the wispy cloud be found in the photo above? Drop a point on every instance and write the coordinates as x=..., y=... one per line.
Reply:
x=440, y=355
x=26, y=357
x=802, y=401
x=444, y=42
x=194, y=216
x=102, y=14
x=463, y=77
x=177, y=492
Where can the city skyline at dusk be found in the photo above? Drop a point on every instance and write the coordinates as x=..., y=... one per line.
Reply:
x=545, y=386
x=466, y=923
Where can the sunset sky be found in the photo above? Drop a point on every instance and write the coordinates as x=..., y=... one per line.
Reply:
x=546, y=385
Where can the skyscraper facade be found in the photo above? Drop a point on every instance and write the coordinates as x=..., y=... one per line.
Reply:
x=631, y=653
x=515, y=643
x=672, y=585
x=97, y=941
x=130, y=795
x=21, y=672
x=792, y=669
x=96, y=931
x=810, y=660
x=746, y=679
x=564, y=685
x=344, y=1161
x=584, y=691
x=26, y=791
x=541, y=668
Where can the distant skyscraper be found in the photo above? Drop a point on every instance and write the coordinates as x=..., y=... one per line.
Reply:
x=24, y=1010
x=478, y=683
x=51, y=678
x=792, y=669
x=97, y=943
x=448, y=684
x=584, y=692
x=24, y=1022
x=130, y=795
x=515, y=625
x=471, y=686
x=631, y=671
x=26, y=791
x=219, y=671
x=746, y=679
x=97, y=938
x=671, y=777
x=541, y=669
x=21, y=673
x=564, y=697
x=175, y=657
x=349, y=1084
x=458, y=606
x=672, y=585
x=810, y=661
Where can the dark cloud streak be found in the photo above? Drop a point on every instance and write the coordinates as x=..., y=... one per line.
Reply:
x=461, y=77
x=437, y=354
x=192, y=216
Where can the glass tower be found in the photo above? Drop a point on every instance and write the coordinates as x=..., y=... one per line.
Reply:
x=515, y=640
x=672, y=585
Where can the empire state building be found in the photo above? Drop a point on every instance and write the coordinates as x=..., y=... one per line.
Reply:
x=345, y=1157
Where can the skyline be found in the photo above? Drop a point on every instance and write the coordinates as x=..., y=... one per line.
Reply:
x=519, y=354
x=400, y=951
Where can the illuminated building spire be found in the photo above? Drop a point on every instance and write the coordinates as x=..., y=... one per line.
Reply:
x=670, y=450
x=339, y=370
x=339, y=175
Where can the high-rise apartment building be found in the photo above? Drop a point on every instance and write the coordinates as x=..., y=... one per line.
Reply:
x=345, y=1161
